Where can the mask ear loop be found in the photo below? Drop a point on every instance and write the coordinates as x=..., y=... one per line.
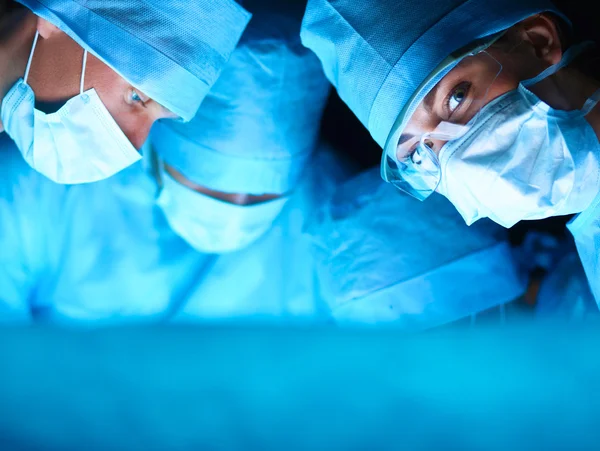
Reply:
x=568, y=57
x=28, y=67
x=448, y=131
x=591, y=103
x=82, y=81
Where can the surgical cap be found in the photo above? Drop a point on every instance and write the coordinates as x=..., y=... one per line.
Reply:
x=258, y=126
x=378, y=52
x=171, y=50
x=384, y=258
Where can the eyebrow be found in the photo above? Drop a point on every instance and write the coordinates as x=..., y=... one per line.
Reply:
x=404, y=137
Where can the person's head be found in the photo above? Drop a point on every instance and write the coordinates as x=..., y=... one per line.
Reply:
x=145, y=60
x=520, y=53
x=56, y=71
x=227, y=174
x=434, y=105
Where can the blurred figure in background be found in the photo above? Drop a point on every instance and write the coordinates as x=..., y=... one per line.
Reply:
x=564, y=292
x=388, y=260
x=209, y=227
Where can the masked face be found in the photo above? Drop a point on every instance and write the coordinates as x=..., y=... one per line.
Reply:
x=523, y=159
x=496, y=149
x=213, y=225
x=79, y=143
x=453, y=103
x=93, y=134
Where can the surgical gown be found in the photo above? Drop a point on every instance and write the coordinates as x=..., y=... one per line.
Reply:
x=585, y=228
x=103, y=252
x=565, y=293
x=387, y=259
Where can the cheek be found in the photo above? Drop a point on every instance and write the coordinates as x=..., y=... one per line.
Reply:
x=497, y=74
x=505, y=82
x=421, y=121
x=501, y=88
x=134, y=120
x=135, y=126
x=134, y=123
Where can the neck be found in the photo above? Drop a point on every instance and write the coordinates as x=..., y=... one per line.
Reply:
x=593, y=119
x=568, y=90
x=587, y=89
x=17, y=30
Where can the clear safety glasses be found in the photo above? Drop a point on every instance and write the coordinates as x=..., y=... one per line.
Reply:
x=436, y=116
x=418, y=172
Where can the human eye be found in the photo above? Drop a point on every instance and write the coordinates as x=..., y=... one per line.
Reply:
x=409, y=155
x=135, y=98
x=456, y=98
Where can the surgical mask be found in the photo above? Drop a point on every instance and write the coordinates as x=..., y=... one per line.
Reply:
x=522, y=159
x=79, y=143
x=213, y=226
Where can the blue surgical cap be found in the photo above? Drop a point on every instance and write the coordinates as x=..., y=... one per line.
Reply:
x=258, y=126
x=378, y=52
x=171, y=50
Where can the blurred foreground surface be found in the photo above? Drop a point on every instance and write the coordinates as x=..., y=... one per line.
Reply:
x=519, y=386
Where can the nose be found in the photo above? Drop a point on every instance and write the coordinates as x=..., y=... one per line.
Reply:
x=405, y=149
x=435, y=145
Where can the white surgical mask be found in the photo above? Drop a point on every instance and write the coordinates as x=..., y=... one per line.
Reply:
x=80, y=143
x=523, y=160
x=213, y=226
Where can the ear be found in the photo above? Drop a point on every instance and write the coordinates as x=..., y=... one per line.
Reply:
x=543, y=36
x=46, y=29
